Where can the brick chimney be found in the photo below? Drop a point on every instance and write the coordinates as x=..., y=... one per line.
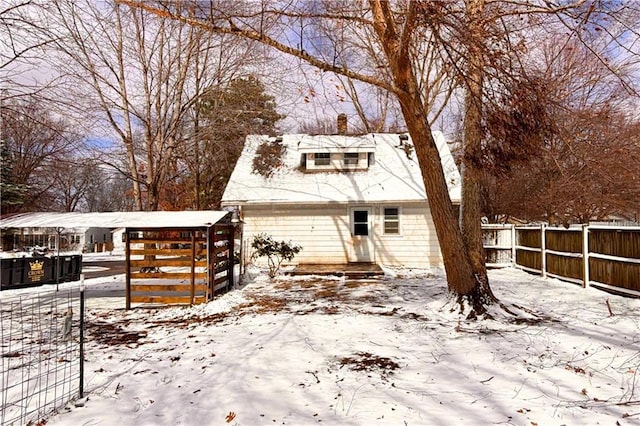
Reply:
x=342, y=124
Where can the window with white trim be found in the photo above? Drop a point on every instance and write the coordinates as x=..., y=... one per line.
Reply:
x=322, y=158
x=391, y=221
x=351, y=158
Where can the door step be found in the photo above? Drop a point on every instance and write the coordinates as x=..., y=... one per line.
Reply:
x=350, y=271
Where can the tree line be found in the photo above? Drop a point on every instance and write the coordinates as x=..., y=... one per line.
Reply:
x=142, y=113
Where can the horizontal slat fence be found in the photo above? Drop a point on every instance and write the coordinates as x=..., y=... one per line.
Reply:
x=612, y=253
x=221, y=272
x=178, y=266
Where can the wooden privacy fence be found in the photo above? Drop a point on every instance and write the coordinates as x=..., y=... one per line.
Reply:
x=592, y=255
x=178, y=265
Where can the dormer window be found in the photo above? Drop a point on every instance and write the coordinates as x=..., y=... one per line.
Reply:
x=351, y=158
x=322, y=159
x=335, y=153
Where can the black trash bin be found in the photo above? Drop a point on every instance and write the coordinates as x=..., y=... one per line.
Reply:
x=9, y=269
x=35, y=271
x=75, y=267
x=26, y=272
x=70, y=268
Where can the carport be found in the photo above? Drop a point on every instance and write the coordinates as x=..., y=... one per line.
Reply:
x=181, y=257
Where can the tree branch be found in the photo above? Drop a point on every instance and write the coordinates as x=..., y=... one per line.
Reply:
x=233, y=29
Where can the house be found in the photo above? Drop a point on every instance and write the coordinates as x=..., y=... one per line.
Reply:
x=120, y=242
x=78, y=239
x=343, y=198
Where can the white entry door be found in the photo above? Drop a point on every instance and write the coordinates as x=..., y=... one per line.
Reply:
x=361, y=234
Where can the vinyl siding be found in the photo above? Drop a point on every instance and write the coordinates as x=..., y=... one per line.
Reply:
x=416, y=246
x=325, y=237
x=323, y=233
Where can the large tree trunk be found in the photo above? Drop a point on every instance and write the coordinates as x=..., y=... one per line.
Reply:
x=457, y=264
x=470, y=212
x=459, y=267
x=461, y=277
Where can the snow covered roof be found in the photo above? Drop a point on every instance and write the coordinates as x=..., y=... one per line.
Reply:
x=157, y=219
x=336, y=143
x=393, y=176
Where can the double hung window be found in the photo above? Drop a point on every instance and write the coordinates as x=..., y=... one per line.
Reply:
x=391, y=221
x=322, y=158
x=350, y=158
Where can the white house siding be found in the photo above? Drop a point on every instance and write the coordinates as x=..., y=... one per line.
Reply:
x=416, y=246
x=72, y=239
x=325, y=235
x=97, y=239
x=119, y=245
x=322, y=231
x=118, y=240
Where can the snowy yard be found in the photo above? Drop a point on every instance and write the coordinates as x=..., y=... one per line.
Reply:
x=313, y=350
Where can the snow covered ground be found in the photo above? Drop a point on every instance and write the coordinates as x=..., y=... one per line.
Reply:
x=311, y=350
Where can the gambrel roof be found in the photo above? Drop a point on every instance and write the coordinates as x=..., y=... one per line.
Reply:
x=392, y=176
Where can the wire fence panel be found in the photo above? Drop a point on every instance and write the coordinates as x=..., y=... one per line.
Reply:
x=41, y=334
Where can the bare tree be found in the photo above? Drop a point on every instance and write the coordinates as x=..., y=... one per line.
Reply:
x=22, y=37
x=106, y=189
x=586, y=155
x=70, y=183
x=144, y=73
x=376, y=108
x=24, y=40
x=34, y=144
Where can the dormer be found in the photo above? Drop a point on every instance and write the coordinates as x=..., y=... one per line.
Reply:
x=336, y=153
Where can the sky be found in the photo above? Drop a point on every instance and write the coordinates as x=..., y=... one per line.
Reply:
x=313, y=350
x=303, y=93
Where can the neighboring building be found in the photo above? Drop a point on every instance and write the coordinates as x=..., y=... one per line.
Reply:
x=117, y=235
x=119, y=242
x=97, y=240
x=70, y=239
x=342, y=198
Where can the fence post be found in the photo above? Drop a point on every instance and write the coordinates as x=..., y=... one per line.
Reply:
x=543, y=250
x=58, y=242
x=231, y=259
x=585, y=255
x=192, y=277
x=127, y=262
x=81, y=384
x=513, y=245
x=210, y=273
